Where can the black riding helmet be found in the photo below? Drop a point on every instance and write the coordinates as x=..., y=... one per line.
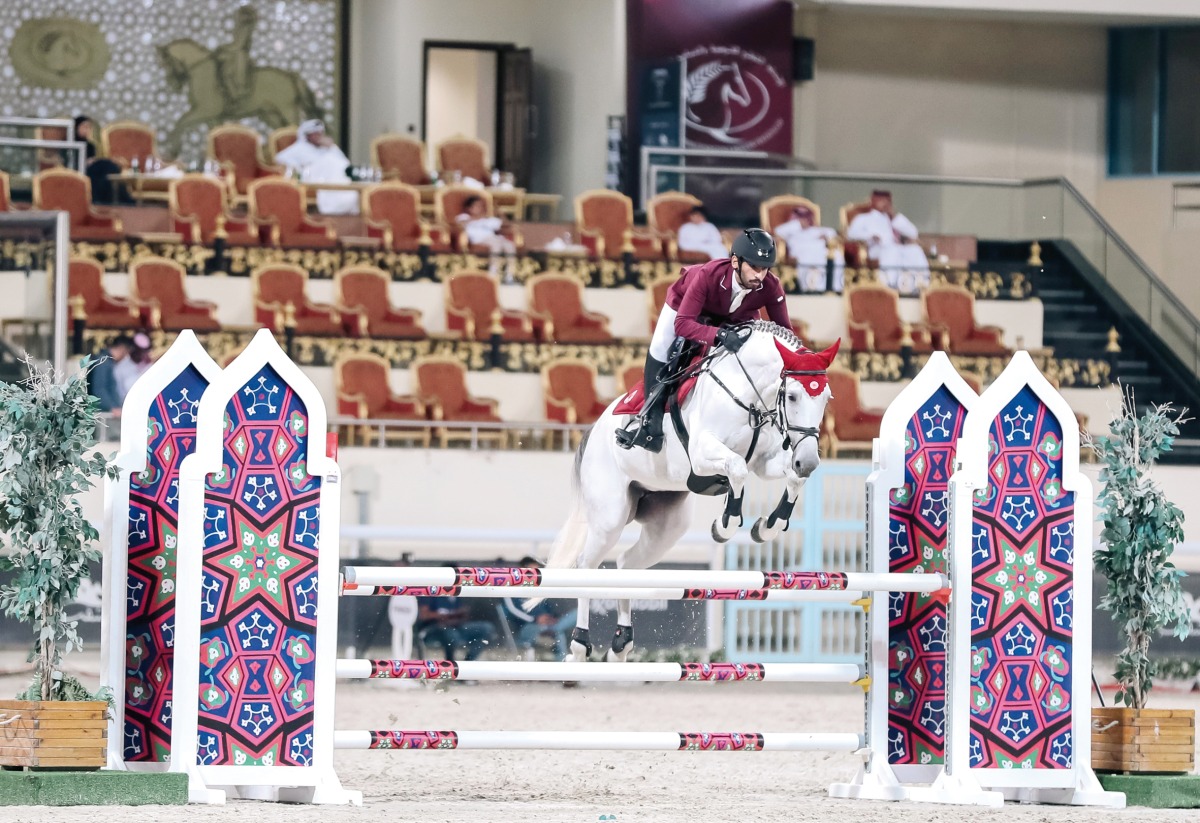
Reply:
x=756, y=247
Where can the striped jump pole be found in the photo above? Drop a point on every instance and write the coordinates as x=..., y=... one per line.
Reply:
x=465, y=577
x=847, y=673
x=600, y=741
x=627, y=593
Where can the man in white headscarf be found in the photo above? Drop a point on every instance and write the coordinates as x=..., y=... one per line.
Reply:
x=892, y=241
x=316, y=159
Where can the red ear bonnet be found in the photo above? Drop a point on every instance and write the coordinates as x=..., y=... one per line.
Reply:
x=808, y=367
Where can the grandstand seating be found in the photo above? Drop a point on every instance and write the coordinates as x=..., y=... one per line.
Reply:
x=281, y=301
x=91, y=303
x=449, y=204
x=951, y=309
x=392, y=212
x=237, y=149
x=363, y=391
x=67, y=190
x=6, y=203
x=465, y=155
x=157, y=287
x=665, y=213
x=569, y=389
x=848, y=425
x=199, y=210
x=556, y=307
x=442, y=387
x=278, y=210
x=362, y=291
x=128, y=140
x=656, y=294
x=401, y=159
x=279, y=140
x=873, y=319
x=473, y=309
x=604, y=221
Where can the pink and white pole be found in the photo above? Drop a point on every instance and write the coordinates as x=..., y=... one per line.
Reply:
x=412, y=740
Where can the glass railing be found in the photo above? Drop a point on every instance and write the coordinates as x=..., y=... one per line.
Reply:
x=986, y=208
x=36, y=245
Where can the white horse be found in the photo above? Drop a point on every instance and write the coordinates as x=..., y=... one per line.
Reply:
x=758, y=410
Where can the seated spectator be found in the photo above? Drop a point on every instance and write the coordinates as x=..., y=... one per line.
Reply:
x=699, y=235
x=808, y=246
x=444, y=622
x=485, y=231
x=103, y=381
x=891, y=240
x=542, y=619
x=316, y=159
x=127, y=370
x=96, y=168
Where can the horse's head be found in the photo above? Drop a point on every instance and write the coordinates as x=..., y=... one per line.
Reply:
x=803, y=393
x=735, y=89
x=177, y=57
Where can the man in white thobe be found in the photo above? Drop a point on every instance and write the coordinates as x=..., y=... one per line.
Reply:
x=697, y=234
x=808, y=246
x=891, y=240
x=316, y=159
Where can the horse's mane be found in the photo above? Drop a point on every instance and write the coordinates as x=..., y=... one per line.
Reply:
x=697, y=81
x=785, y=336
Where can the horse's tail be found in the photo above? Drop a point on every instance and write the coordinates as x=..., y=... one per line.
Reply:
x=568, y=543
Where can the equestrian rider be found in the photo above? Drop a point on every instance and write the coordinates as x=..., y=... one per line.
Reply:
x=702, y=306
x=233, y=59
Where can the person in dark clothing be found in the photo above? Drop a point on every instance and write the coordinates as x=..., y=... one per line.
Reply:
x=97, y=168
x=102, y=380
x=444, y=621
x=702, y=306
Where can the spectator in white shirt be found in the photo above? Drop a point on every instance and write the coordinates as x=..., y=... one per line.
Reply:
x=808, y=246
x=482, y=230
x=316, y=159
x=700, y=236
x=891, y=240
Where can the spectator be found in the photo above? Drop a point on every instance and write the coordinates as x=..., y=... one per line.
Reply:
x=542, y=619
x=96, y=168
x=701, y=236
x=103, y=381
x=402, y=614
x=316, y=159
x=891, y=240
x=808, y=245
x=127, y=370
x=485, y=231
x=444, y=622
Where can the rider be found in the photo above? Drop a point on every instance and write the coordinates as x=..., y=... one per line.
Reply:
x=702, y=306
x=233, y=59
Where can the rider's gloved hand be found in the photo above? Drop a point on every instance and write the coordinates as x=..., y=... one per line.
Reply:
x=728, y=337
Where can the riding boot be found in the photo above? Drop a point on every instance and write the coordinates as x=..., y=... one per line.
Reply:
x=648, y=433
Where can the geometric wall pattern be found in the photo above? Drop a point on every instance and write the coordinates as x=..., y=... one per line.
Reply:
x=918, y=525
x=259, y=592
x=1022, y=596
x=150, y=583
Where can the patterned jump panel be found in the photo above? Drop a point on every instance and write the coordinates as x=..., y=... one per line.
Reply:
x=153, y=533
x=259, y=594
x=917, y=542
x=1022, y=596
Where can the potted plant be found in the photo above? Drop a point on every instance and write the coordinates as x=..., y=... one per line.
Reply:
x=47, y=433
x=1141, y=528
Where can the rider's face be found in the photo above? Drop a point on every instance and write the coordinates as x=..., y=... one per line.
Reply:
x=750, y=277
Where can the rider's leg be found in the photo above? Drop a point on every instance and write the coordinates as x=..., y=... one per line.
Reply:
x=647, y=431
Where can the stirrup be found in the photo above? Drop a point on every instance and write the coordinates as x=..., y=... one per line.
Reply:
x=628, y=438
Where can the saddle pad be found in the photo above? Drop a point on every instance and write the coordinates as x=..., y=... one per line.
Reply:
x=635, y=398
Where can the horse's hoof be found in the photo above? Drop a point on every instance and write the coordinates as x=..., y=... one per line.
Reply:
x=760, y=532
x=579, y=653
x=723, y=533
x=618, y=657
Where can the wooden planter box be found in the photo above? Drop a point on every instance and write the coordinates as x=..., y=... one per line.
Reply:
x=1144, y=740
x=53, y=734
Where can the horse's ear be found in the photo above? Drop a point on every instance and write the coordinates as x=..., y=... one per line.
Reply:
x=831, y=352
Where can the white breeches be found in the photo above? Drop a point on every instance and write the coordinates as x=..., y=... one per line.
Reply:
x=664, y=334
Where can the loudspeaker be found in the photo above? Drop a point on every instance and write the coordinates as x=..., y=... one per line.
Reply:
x=803, y=51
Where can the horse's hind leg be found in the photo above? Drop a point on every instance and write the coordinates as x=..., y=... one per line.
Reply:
x=664, y=517
x=597, y=545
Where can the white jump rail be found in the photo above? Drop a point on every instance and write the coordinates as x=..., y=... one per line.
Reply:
x=600, y=579
x=599, y=741
x=627, y=593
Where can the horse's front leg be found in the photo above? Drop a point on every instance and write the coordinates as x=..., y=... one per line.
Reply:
x=710, y=456
x=768, y=528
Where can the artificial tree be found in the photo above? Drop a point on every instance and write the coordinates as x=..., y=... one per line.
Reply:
x=1141, y=528
x=47, y=458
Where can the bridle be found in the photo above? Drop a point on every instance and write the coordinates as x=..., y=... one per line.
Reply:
x=762, y=415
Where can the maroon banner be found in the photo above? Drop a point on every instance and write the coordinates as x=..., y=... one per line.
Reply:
x=736, y=63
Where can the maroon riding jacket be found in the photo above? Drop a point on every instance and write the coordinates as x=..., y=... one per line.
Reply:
x=706, y=290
